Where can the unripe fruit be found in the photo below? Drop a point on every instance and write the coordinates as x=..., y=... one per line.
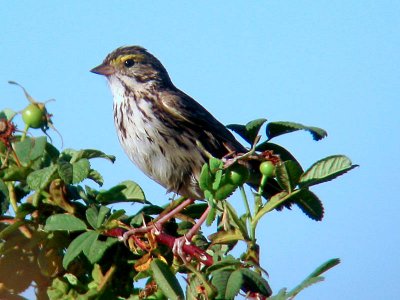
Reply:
x=267, y=168
x=238, y=174
x=34, y=116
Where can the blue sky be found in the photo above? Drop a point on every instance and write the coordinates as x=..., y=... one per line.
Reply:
x=332, y=64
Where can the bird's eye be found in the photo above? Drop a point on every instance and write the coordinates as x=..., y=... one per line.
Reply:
x=129, y=63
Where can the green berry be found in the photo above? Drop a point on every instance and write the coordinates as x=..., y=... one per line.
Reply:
x=34, y=116
x=267, y=168
x=238, y=174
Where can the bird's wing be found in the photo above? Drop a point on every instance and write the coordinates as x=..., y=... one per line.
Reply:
x=213, y=135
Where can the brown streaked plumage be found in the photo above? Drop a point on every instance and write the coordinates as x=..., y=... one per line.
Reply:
x=165, y=132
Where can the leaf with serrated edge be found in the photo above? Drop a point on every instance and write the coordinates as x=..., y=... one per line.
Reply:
x=91, y=216
x=96, y=177
x=211, y=215
x=64, y=222
x=5, y=199
x=219, y=281
x=325, y=267
x=249, y=131
x=226, y=236
x=310, y=204
x=325, y=170
x=103, y=212
x=305, y=284
x=81, y=170
x=273, y=203
x=98, y=248
x=41, y=178
x=226, y=262
x=166, y=280
x=30, y=149
x=234, y=284
x=288, y=174
x=126, y=191
x=205, y=181
x=79, y=244
x=132, y=190
x=237, y=221
x=91, y=153
x=215, y=164
x=275, y=129
x=314, y=277
x=65, y=171
x=255, y=282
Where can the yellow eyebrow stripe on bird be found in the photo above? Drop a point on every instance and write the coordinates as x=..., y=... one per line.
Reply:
x=120, y=59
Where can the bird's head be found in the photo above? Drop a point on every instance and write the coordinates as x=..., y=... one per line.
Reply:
x=133, y=65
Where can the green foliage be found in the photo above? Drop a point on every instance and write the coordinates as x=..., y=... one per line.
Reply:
x=60, y=233
x=166, y=280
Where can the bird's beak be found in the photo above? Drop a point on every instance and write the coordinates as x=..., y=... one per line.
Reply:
x=103, y=69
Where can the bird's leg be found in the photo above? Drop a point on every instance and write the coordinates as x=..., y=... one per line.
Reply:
x=177, y=249
x=158, y=224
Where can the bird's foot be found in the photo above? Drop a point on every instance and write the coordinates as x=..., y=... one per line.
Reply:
x=177, y=249
x=136, y=231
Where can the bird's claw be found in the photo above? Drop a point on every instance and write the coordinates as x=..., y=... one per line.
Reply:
x=177, y=249
x=127, y=234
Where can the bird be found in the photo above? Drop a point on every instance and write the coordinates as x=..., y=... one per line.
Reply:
x=164, y=131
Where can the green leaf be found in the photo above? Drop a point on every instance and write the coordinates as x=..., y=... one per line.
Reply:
x=215, y=165
x=236, y=221
x=217, y=180
x=252, y=281
x=225, y=191
x=30, y=149
x=205, y=180
x=97, y=275
x=126, y=191
x=219, y=281
x=96, y=217
x=166, y=280
x=15, y=173
x=58, y=290
x=65, y=171
x=89, y=154
x=97, y=249
x=52, y=152
x=116, y=215
x=234, y=284
x=225, y=263
x=4, y=198
x=80, y=170
x=64, y=222
x=325, y=267
x=310, y=204
x=80, y=244
x=326, y=169
x=314, y=277
x=249, y=131
x=103, y=212
x=282, y=295
x=275, y=129
x=211, y=215
x=227, y=236
x=195, y=210
x=274, y=202
x=96, y=177
x=91, y=216
x=288, y=174
x=40, y=179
